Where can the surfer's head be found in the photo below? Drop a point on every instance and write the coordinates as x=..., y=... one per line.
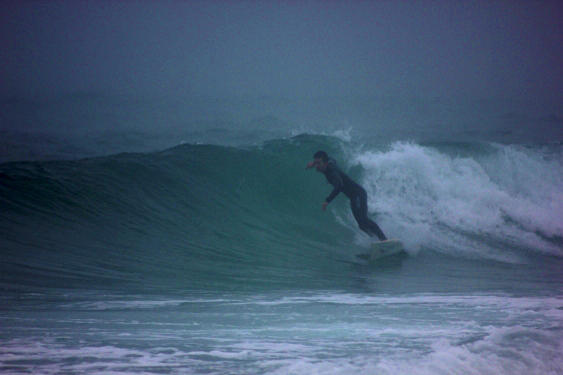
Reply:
x=321, y=160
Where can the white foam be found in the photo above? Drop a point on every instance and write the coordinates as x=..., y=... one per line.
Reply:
x=135, y=304
x=495, y=355
x=461, y=204
x=314, y=333
x=476, y=301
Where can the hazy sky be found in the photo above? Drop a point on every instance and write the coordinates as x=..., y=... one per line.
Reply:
x=416, y=48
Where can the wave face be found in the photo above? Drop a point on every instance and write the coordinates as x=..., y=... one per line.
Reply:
x=205, y=216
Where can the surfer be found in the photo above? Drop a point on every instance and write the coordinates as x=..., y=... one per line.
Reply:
x=343, y=183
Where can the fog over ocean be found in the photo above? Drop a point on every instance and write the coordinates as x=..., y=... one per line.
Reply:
x=156, y=215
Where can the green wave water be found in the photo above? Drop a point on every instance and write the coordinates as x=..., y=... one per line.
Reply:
x=192, y=216
x=207, y=217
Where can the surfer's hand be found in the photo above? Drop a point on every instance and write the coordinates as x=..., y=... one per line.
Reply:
x=324, y=206
x=310, y=165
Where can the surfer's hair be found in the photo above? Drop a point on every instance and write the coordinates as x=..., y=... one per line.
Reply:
x=321, y=154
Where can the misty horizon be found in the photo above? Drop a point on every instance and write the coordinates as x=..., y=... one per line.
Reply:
x=434, y=49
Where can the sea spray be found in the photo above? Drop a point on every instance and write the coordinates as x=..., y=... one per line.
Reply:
x=461, y=204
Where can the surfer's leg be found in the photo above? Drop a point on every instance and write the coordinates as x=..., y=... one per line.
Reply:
x=359, y=205
x=375, y=229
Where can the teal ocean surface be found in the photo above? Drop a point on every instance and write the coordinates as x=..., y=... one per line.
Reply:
x=154, y=237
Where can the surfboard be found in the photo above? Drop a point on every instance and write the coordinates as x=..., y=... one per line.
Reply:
x=382, y=249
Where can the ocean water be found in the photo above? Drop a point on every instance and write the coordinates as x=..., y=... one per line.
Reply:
x=186, y=237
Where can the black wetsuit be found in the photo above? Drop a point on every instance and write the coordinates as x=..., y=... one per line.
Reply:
x=358, y=198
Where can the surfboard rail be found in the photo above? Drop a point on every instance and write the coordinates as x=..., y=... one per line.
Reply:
x=383, y=249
